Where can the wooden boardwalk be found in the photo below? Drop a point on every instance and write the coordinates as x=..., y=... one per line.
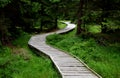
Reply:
x=67, y=65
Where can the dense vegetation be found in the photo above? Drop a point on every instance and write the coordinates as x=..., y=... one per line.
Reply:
x=18, y=61
x=102, y=57
x=43, y=15
x=38, y=16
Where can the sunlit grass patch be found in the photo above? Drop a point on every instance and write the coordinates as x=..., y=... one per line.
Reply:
x=61, y=25
x=94, y=28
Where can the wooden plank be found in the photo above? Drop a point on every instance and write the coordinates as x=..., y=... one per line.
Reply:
x=73, y=69
x=70, y=65
x=79, y=77
x=76, y=73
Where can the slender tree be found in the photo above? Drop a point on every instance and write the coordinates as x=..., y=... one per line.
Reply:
x=41, y=19
x=79, y=15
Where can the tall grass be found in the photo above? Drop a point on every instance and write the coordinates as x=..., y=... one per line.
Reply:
x=105, y=60
x=93, y=28
x=20, y=62
x=61, y=25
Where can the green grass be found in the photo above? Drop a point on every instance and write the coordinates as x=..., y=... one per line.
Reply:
x=20, y=62
x=61, y=25
x=94, y=28
x=105, y=60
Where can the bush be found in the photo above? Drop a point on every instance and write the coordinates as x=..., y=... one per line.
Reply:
x=54, y=38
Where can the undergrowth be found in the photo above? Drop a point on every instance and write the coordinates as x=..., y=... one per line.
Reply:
x=19, y=61
x=105, y=60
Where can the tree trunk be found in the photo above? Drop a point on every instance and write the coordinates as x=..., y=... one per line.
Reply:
x=56, y=15
x=42, y=14
x=56, y=23
x=80, y=14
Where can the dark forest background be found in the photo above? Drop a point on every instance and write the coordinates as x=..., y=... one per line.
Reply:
x=43, y=15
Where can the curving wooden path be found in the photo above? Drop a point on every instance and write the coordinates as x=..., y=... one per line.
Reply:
x=67, y=65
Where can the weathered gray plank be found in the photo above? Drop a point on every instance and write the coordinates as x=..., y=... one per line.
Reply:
x=79, y=77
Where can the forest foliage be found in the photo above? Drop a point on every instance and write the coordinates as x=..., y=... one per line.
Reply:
x=43, y=15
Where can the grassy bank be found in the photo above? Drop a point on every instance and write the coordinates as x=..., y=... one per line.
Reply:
x=103, y=59
x=18, y=61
